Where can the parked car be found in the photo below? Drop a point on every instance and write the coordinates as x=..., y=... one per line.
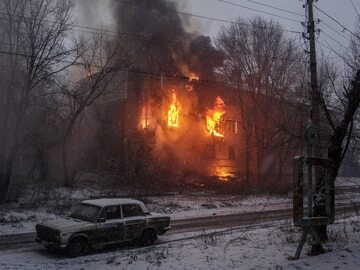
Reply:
x=96, y=223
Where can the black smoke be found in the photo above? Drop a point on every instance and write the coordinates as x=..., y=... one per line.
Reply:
x=157, y=41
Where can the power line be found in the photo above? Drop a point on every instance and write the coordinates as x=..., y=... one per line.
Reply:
x=335, y=52
x=273, y=7
x=278, y=56
x=215, y=19
x=260, y=11
x=336, y=31
x=332, y=18
x=121, y=34
x=333, y=39
x=124, y=34
x=136, y=71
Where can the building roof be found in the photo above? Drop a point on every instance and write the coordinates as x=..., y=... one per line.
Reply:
x=115, y=201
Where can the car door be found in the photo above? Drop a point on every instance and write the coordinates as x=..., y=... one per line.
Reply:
x=134, y=221
x=111, y=229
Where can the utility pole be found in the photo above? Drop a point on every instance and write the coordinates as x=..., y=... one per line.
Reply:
x=315, y=95
x=320, y=206
x=313, y=151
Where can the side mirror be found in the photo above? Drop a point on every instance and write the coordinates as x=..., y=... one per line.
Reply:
x=101, y=220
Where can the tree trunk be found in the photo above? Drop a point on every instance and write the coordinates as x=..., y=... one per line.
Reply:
x=336, y=152
x=247, y=162
x=65, y=170
x=5, y=178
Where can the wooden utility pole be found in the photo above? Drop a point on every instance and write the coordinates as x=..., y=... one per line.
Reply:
x=315, y=150
x=315, y=95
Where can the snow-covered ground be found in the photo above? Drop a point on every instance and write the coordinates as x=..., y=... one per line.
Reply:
x=260, y=247
x=19, y=220
x=20, y=217
x=266, y=247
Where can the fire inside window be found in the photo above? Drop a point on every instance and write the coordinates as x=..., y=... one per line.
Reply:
x=145, y=117
x=232, y=127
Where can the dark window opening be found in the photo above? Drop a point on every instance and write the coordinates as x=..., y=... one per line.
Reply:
x=232, y=127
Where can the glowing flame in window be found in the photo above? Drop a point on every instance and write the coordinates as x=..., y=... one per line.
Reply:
x=215, y=118
x=174, y=111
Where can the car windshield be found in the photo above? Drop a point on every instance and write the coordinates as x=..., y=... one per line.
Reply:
x=86, y=212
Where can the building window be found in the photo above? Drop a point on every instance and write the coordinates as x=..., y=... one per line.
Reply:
x=145, y=117
x=232, y=127
x=232, y=152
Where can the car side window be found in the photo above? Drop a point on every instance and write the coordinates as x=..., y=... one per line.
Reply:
x=132, y=210
x=112, y=212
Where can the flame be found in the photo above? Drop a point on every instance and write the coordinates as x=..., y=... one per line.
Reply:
x=193, y=77
x=215, y=117
x=174, y=111
x=145, y=117
x=224, y=175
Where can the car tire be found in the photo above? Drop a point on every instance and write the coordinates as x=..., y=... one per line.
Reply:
x=50, y=250
x=77, y=247
x=148, y=237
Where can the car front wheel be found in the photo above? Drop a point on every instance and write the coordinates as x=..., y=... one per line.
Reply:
x=148, y=237
x=77, y=247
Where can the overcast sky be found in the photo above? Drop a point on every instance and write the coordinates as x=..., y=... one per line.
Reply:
x=341, y=10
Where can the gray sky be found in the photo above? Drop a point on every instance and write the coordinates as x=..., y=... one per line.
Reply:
x=342, y=10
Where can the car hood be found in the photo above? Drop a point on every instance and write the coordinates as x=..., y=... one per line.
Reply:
x=67, y=224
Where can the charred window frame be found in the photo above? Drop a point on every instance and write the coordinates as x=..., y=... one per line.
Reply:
x=232, y=127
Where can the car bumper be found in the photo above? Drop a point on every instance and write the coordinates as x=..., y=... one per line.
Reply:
x=163, y=230
x=49, y=244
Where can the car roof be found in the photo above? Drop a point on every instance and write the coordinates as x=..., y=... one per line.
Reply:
x=115, y=201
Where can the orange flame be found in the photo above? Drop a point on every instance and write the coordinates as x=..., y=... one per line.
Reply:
x=174, y=111
x=145, y=117
x=224, y=176
x=193, y=77
x=215, y=117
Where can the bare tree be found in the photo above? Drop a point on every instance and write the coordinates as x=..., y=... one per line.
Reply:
x=340, y=100
x=35, y=49
x=99, y=67
x=262, y=62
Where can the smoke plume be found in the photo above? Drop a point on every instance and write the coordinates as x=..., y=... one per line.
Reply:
x=158, y=42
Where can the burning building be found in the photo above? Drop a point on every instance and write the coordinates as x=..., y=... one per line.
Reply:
x=171, y=111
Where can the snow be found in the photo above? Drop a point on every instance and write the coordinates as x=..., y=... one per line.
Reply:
x=115, y=201
x=265, y=246
x=260, y=247
x=21, y=219
x=347, y=181
x=347, y=258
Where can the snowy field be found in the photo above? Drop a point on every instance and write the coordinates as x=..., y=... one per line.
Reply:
x=19, y=220
x=21, y=217
x=262, y=247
